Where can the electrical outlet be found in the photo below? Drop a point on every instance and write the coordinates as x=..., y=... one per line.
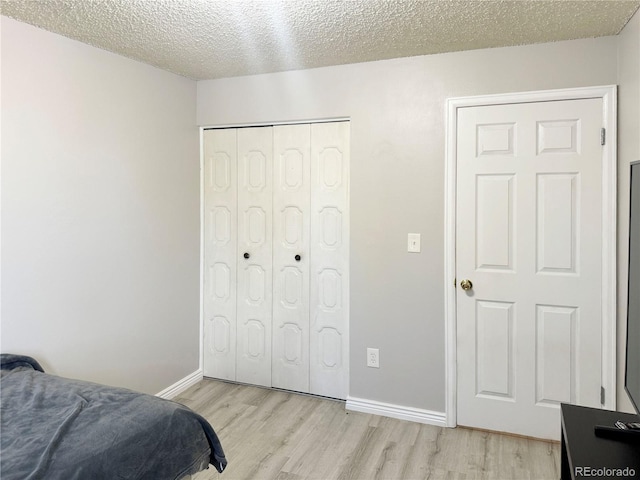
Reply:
x=373, y=357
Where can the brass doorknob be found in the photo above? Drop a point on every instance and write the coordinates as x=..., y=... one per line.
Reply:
x=466, y=284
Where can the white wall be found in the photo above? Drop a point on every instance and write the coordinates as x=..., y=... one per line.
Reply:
x=100, y=212
x=397, y=182
x=628, y=151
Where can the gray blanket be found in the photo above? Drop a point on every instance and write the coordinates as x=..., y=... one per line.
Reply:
x=56, y=428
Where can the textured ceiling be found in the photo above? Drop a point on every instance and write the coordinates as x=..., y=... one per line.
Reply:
x=206, y=39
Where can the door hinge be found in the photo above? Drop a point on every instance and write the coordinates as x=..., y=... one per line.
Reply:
x=601, y=395
x=603, y=136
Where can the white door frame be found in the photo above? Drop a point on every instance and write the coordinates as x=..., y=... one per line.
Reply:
x=608, y=94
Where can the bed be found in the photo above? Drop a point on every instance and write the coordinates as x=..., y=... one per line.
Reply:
x=57, y=428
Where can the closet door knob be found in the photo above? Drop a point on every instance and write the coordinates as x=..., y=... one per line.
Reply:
x=246, y=255
x=297, y=257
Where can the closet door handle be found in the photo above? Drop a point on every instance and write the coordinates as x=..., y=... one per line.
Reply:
x=297, y=257
x=246, y=255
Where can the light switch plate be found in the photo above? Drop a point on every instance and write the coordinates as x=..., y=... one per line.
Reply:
x=413, y=245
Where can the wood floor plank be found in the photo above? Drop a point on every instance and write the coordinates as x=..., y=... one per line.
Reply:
x=419, y=459
x=320, y=432
x=277, y=435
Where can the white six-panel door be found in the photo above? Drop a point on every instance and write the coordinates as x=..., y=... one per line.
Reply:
x=529, y=238
x=276, y=284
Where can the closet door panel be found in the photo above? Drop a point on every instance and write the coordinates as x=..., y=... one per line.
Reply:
x=291, y=172
x=329, y=282
x=254, y=255
x=220, y=242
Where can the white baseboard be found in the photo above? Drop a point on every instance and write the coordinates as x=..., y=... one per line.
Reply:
x=181, y=385
x=396, y=411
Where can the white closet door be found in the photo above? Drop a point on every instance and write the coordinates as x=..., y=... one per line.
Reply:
x=329, y=282
x=290, y=367
x=220, y=240
x=254, y=308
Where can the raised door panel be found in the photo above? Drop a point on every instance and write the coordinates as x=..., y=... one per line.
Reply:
x=495, y=239
x=557, y=221
x=220, y=241
x=291, y=176
x=329, y=332
x=254, y=256
x=495, y=350
x=556, y=366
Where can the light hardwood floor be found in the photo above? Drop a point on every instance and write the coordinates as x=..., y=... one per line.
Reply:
x=270, y=434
